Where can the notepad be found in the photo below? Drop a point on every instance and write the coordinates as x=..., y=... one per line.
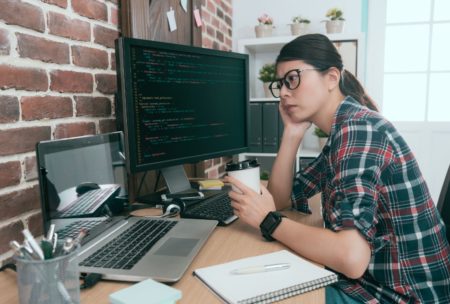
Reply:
x=148, y=292
x=265, y=287
x=210, y=184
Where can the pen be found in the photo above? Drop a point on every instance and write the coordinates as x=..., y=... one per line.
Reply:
x=261, y=268
x=50, y=232
x=33, y=244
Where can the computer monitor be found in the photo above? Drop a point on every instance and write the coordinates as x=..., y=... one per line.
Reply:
x=180, y=104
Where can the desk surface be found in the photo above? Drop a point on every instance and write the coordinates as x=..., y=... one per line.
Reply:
x=225, y=244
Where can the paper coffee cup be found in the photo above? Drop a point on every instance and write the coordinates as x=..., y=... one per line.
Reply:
x=247, y=172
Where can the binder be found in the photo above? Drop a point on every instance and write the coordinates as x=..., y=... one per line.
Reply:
x=270, y=127
x=264, y=287
x=255, y=143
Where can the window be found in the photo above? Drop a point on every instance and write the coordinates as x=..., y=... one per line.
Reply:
x=417, y=60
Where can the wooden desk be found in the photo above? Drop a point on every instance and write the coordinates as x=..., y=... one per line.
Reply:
x=225, y=244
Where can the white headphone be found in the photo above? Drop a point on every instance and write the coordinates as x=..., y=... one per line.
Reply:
x=172, y=210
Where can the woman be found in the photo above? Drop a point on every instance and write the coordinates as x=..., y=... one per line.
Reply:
x=384, y=235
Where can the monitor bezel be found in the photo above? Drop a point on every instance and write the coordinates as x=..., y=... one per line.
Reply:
x=123, y=46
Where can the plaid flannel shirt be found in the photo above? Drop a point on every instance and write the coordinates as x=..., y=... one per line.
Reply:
x=370, y=181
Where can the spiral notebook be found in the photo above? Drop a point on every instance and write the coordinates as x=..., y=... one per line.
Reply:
x=265, y=286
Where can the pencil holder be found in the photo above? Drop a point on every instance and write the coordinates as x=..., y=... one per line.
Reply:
x=54, y=280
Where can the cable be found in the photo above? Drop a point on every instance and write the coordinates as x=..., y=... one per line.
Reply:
x=90, y=280
x=10, y=266
x=140, y=184
x=157, y=181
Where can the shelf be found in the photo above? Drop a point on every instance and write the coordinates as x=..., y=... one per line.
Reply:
x=269, y=44
x=264, y=99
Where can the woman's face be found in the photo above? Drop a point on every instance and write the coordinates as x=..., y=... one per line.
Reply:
x=304, y=102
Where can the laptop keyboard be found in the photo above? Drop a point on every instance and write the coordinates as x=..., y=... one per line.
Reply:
x=216, y=207
x=72, y=230
x=88, y=202
x=124, y=251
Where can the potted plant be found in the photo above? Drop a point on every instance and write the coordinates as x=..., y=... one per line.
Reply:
x=323, y=137
x=299, y=25
x=267, y=74
x=264, y=27
x=335, y=22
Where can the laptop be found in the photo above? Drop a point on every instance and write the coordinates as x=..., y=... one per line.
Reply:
x=139, y=247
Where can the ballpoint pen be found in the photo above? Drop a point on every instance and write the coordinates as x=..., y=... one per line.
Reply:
x=260, y=268
x=33, y=244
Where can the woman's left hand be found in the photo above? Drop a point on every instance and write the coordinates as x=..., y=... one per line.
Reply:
x=249, y=206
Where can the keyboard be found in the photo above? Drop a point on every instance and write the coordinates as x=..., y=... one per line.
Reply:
x=89, y=202
x=72, y=230
x=125, y=250
x=216, y=207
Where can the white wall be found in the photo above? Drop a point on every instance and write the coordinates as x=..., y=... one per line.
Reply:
x=246, y=13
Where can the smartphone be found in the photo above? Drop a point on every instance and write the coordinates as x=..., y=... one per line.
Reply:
x=168, y=197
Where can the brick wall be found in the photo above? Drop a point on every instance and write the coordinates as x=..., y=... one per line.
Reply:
x=57, y=80
x=217, y=34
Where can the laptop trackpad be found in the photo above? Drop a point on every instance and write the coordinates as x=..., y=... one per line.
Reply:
x=177, y=247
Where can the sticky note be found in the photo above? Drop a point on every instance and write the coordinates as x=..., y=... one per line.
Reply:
x=198, y=19
x=171, y=19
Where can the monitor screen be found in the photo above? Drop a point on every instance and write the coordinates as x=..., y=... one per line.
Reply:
x=181, y=104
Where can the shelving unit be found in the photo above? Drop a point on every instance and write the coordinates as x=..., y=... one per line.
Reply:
x=265, y=50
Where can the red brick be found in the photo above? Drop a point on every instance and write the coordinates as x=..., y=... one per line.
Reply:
x=90, y=8
x=74, y=129
x=93, y=106
x=114, y=14
x=89, y=57
x=36, y=224
x=50, y=107
x=61, y=25
x=42, y=49
x=4, y=42
x=107, y=125
x=29, y=79
x=105, y=36
x=10, y=174
x=30, y=16
x=18, y=202
x=219, y=36
x=106, y=83
x=30, y=169
x=22, y=140
x=9, y=109
x=60, y=3
x=68, y=81
x=9, y=233
x=113, y=61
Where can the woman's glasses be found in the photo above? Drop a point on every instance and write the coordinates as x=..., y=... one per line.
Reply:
x=291, y=80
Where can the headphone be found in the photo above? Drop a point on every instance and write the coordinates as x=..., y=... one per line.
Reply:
x=175, y=207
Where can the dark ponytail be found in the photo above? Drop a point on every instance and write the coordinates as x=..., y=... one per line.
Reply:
x=318, y=51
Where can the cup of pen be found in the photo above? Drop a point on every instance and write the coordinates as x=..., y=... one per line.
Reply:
x=53, y=280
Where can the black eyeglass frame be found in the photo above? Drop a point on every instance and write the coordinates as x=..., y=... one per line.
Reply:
x=281, y=81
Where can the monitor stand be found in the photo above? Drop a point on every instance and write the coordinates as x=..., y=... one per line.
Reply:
x=176, y=179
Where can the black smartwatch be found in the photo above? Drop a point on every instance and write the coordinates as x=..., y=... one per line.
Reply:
x=269, y=224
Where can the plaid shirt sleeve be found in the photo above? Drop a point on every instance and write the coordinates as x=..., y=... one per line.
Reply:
x=359, y=155
x=306, y=183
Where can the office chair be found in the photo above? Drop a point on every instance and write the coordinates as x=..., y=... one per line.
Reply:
x=443, y=204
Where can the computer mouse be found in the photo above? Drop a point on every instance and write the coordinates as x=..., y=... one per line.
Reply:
x=85, y=187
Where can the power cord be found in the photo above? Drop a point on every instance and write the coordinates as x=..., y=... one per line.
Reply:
x=9, y=266
x=89, y=280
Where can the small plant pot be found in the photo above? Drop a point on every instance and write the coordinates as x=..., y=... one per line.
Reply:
x=334, y=26
x=298, y=29
x=264, y=30
x=267, y=93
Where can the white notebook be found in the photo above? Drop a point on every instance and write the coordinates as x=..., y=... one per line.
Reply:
x=266, y=286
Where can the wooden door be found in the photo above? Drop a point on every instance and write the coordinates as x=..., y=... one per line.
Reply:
x=147, y=19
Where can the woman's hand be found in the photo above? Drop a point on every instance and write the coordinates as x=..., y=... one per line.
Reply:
x=291, y=126
x=249, y=206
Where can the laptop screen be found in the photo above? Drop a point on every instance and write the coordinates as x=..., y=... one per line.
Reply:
x=78, y=176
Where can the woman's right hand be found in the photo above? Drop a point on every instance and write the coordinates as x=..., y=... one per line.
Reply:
x=297, y=129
